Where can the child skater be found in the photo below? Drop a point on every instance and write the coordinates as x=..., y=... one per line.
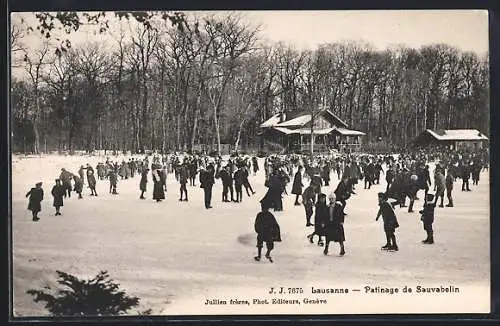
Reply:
x=268, y=231
x=35, y=198
x=335, y=225
x=428, y=218
x=58, y=192
x=390, y=222
x=320, y=220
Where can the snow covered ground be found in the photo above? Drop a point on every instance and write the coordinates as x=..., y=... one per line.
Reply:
x=175, y=255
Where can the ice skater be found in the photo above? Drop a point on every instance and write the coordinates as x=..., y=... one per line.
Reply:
x=308, y=202
x=35, y=198
x=113, y=180
x=78, y=186
x=449, y=187
x=334, y=229
x=428, y=218
x=297, y=185
x=320, y=219
x=268, y=231
x=390, y=222
x=183, y=179
x=58, y=193
x=144, y=182
x=91, y=181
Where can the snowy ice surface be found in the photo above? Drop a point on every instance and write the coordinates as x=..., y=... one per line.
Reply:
x=174, y=255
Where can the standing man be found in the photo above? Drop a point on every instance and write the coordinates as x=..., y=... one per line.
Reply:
x=297, y=185
x=268, y=231
x=465, y=176
x=113, y=180
x=66, y=180
x=35, y=198
x=91, y=181
x=227, y=183
x=390, y=222
x=144, y=182
x=450, y=179
x=439, y=182
x=239, y=180
x=428, y=218
x=183, y=176
x=207, y=182
x=325, y=174
x=308, y=202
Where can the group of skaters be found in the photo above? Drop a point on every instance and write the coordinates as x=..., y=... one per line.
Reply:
x=405, y=177
x=233, y=173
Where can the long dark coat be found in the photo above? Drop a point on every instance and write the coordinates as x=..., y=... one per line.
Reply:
x=144, y=180
x=343, y=191
x=266, y=227
x=91, y=179
x=78, y=185
x=428, y=213
x=321, y=217
x=255, y=164
x=272, y=198
x=334, y=229
x=389, y=217
x=35, y=198
x=58, y=192
x=297, y=184
x=158, y=190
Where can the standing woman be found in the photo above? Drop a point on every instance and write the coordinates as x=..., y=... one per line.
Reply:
x=78, y=186
x=144, y=182
x=91, y=181
x=35, y=198
x=297, y=185
x=158, y=190
x=320, y=219
x=335, y=225
x=58, y=193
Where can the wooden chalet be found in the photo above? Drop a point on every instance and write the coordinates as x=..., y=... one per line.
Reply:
x=453, y=139
x=291, y=133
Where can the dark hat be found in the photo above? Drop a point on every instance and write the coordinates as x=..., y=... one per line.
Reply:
x=429, y=197
x=322, y=196
x=58, y=179
x=38, y=184
x=382, y=195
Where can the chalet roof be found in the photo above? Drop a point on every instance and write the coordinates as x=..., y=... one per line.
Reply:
x=300, y=119
x=325, y=131
x=271, y=122
x=456, y=134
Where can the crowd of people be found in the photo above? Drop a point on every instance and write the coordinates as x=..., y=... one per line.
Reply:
x=406, y=174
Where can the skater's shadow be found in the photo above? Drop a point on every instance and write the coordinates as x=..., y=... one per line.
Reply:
x=247, y=239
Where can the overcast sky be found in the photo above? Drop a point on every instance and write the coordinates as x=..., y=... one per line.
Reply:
x=464, y=29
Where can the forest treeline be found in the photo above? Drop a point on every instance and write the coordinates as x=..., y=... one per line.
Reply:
x=214, y=80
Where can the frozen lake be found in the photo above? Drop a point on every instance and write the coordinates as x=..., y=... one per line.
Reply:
x=175, y=255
